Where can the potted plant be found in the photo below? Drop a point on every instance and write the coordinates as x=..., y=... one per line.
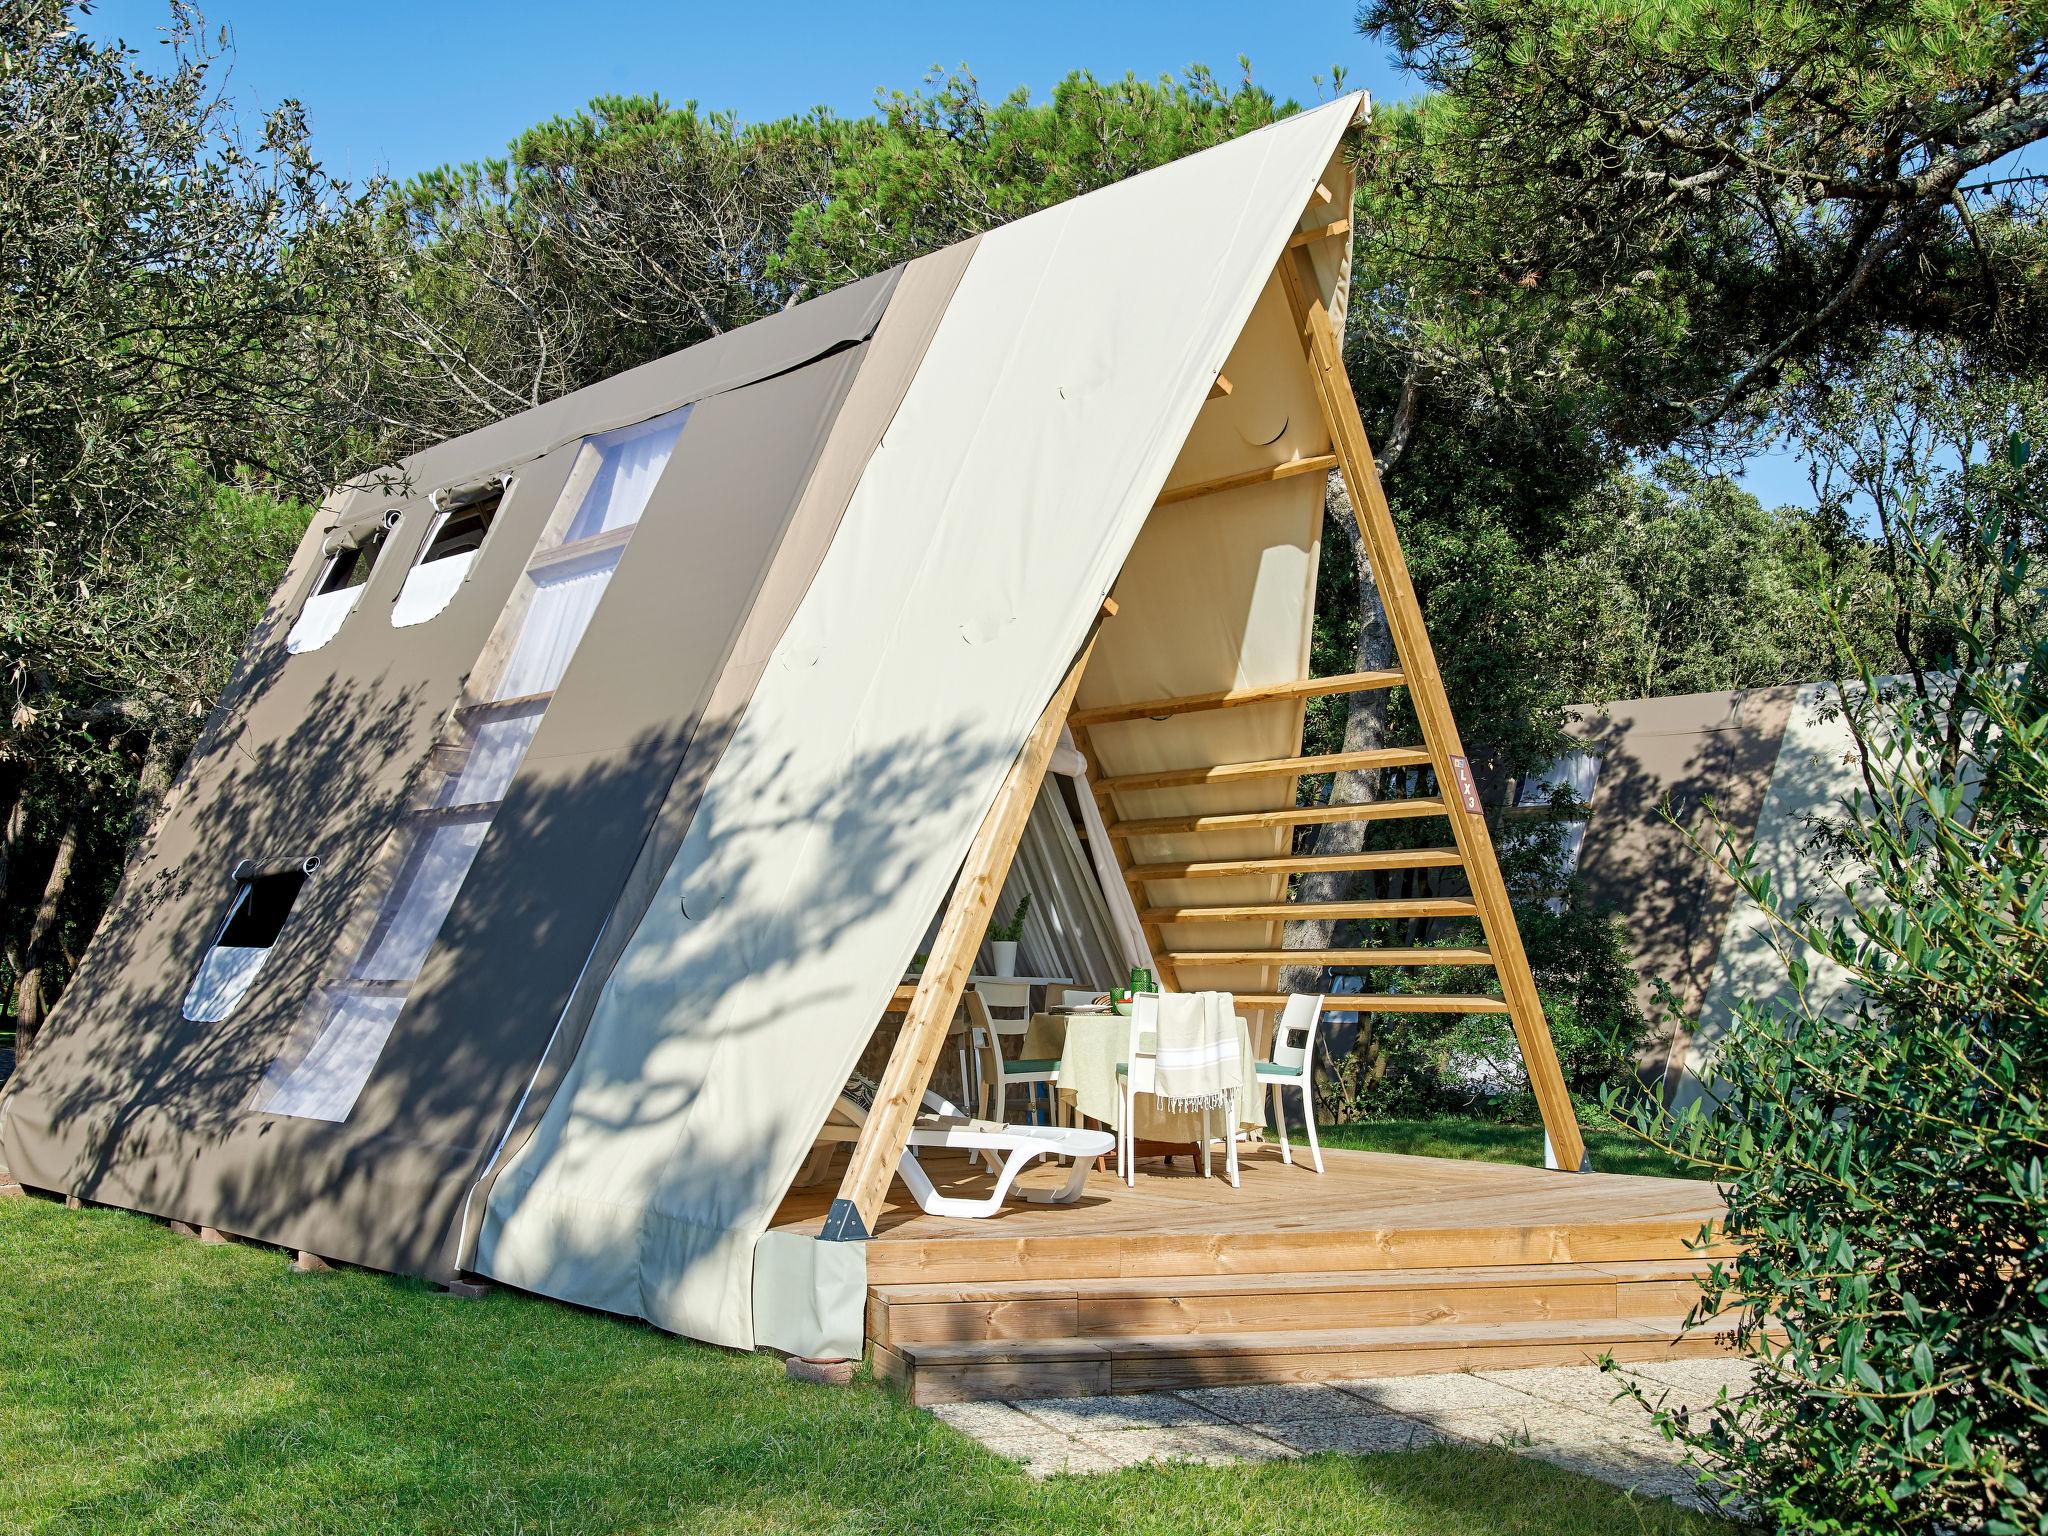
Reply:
x=1003, y=937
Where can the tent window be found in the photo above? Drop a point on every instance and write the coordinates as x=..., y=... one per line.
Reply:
x=461, y=531
x=629, y=462
x=348, y=569
x=261, y=906
x=256, y=917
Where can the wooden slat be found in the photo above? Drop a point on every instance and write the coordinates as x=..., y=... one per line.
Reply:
x=1296, y=816
x=1320, y=464
x=1220, y=390
x=1318, y=911
x=961, y=930
x=1383, y=1002
x=1359, y=957
x=1272, y=768
x=1233, y=698
x=1329, y=231
x=1298, y=864
x=1322, y=345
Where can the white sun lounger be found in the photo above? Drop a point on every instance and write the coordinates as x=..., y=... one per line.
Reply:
x=943, y=1126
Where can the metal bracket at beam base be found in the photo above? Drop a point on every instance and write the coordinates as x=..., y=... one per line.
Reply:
x=1550, y=1157
x=843, y=1224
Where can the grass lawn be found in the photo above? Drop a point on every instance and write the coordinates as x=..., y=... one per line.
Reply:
x=150, y=1383
x=1613, y=1151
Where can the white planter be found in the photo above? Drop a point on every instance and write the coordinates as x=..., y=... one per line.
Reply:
x=1006, y=956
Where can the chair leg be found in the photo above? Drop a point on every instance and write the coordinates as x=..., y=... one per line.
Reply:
x=1230, y=1138
x=1308, y=1115
x=1277, y=1096
x=1207, y=1166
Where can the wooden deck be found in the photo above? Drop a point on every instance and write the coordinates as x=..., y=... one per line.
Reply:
x=1382, y=1265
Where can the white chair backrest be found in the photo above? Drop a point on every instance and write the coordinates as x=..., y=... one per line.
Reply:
x=1077, y=997
x=1141, y=1051
x=1294, y=1036
x=1005, y=1005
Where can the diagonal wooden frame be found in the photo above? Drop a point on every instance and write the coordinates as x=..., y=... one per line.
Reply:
x=1323, y=348
x=923, y=1036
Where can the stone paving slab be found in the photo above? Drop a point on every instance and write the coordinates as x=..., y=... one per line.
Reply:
x=1566, y=1415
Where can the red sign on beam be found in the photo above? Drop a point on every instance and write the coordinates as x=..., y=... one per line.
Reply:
x=1468, y=787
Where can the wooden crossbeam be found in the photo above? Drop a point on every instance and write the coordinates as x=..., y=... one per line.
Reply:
x=961, y=930
x=1297, y=816
x=1220, y=390
x=1321, y=464
x=1328, y=231
x=1235, y=698
x=1318, y=911
x=1358, y=957
x=1322, y=345
x=1272, y=768
x=1382, y=1002
x=1298, y=864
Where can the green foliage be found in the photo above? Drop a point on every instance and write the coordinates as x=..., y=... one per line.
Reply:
x=1492, y=1140
x=1883, y=1155
x=1012, y=929
x=186, y=310
x=945, y=162
x=1653, y=210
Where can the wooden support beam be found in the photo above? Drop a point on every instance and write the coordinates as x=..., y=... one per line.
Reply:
x=923, y=1035
x=1220, y=390
x=1273, y=768
x=1382, y=1002
x=1357, y=957
x=1328, y=231
x=1323, y=346
x=1318, y=911
x=1322, y=194
x=1322, y=463
x=1234, y=698
x=1297, y=816
x=1298, y=864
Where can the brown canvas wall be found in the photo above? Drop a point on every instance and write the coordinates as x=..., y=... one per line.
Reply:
x=1681, y=752
x=128, y=1103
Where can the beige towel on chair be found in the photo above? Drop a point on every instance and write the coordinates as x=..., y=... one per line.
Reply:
x=1198, y=1062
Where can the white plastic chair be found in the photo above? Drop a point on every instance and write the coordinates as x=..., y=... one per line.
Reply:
x=996, y=1011
x=1078, y=997
x=1140, y=1073
x=1293, y=1066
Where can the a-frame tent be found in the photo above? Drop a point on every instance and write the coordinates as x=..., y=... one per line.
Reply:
x=579, y=1037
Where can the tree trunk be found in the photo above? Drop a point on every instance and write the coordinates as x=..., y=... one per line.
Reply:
x=10, y=852
x=28, y=987
x=159, y=768
x=1365, y=728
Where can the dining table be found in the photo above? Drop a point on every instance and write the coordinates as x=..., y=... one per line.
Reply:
x=1091, y=1044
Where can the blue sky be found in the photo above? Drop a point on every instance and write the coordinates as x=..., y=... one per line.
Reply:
x=398, y=87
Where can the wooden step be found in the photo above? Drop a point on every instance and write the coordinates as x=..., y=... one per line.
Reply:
x=1235, y=698
x=1299, y=864
x=961, y=1313
x=1296, y=816
x=1275, y=1249
x=1306, y=911
x=1383, y=1002
x=1270, y=768
x=1358, y=957
x=1077, y=1367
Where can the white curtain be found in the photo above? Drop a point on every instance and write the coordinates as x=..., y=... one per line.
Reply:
x=563, y=602
x=224, y=976
x=324, y=1085
x=426, y=890
x=428, y=587
x=320, y=619
x=495, y=750
x=632, y=460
